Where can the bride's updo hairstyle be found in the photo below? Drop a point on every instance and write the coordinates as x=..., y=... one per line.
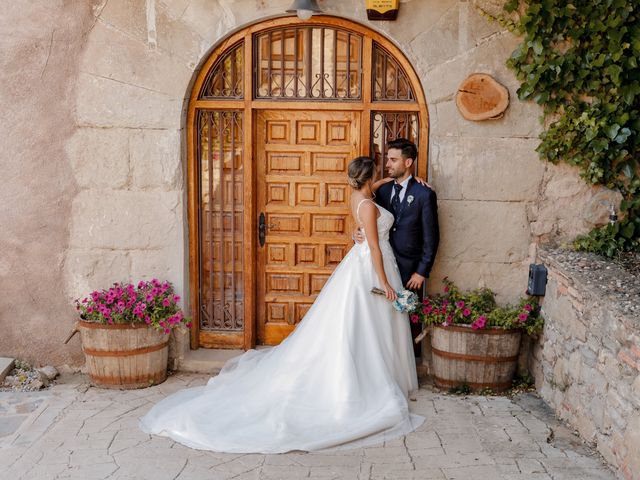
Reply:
x=361, y=170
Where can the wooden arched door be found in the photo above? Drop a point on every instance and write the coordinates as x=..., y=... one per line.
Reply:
x=275, y=115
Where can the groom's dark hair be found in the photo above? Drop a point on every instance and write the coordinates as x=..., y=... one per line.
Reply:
x=407, y=148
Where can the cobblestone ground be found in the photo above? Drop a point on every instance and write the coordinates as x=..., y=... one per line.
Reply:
x=75, y=431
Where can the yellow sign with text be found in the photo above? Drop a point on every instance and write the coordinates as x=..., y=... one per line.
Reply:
x=382, y=6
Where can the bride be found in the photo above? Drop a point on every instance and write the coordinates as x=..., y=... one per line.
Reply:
x=340, y=380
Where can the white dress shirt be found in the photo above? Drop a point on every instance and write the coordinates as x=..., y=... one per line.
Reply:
x=404, y=188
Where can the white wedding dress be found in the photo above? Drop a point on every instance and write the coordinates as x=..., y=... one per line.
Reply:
x=340, y=380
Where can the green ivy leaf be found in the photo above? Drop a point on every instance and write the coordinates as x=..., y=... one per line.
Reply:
x=612, y=131
x=623, y=135
x=628, y=230
x=628, y=169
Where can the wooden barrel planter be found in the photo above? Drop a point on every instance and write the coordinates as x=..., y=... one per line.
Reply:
x=124, y=356
x=484, y=358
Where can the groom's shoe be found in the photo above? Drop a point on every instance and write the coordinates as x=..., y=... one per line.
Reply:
x=412, y=396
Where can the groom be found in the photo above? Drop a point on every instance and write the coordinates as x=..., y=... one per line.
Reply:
x=415, y=235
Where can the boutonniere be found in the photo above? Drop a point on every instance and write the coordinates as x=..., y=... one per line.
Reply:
x=410, y=199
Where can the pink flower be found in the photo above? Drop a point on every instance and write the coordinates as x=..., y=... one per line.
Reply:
x=166, y=302
x=523, y=317
x=528, y=307
x=149, y=298
x=426, y=301
x=176, y=298
x=460, y=304
x=147, y=319
x=167, y=331
x=466, y=312
x=427, y=310
x=415, y=318
x=155, y=282
x=446, y=289
x=188, y=325
x=445, y=302
x=142, y=284
x=479, y=323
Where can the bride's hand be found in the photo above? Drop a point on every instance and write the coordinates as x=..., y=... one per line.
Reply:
x=423, y=182
x=389, y=292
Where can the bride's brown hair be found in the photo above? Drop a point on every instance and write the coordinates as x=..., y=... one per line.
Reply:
x=361, y=170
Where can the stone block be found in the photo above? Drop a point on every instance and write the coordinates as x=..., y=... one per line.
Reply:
x=574, y=366
x=172, y=34
x=412, y=22
x=103, y=102
x=126, y=220
x=90, y=269
x=440, y=43
x=631, y=459
x=508, y=280
x=156, y=160
x=99, y=157
x=444, y=163
x=476, y=27
x=483, y=232
x=6, y=365
x=110, y=53
x=166, y=263
x=500, y=169
x=212, y=19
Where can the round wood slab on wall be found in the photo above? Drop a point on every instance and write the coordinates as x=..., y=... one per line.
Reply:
x=481, y=97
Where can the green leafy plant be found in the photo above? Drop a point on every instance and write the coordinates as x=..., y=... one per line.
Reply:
x=579, y=60
x=478, y=309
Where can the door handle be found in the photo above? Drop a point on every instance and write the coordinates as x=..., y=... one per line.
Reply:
x=262, y=228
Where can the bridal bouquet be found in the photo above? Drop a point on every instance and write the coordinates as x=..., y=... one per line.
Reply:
x=406, y=302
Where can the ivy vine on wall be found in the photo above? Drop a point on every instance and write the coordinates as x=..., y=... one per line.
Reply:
x=579, y=60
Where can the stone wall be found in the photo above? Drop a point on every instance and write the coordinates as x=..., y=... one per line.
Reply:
x=587, y=362
x=41, y=45
x=95, y=107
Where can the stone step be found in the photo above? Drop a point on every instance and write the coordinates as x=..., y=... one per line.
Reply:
x=206, y=360
x=211, y=360
x=6, y=364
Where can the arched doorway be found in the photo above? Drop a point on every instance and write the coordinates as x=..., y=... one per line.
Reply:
x=275, y=115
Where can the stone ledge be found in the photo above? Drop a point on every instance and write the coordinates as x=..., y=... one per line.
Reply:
x=587, y=361
x=593, y=274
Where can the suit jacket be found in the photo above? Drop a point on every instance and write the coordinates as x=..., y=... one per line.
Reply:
x=415, y=234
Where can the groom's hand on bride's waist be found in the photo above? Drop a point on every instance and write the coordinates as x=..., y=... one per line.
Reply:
x=415, y=282
x=357, y=235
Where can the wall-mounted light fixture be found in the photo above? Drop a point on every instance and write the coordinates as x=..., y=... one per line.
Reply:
x=304, y=8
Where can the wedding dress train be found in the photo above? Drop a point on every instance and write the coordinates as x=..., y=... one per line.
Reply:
x=340, y=380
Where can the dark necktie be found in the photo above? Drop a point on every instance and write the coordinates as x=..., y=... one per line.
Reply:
x=395, y=201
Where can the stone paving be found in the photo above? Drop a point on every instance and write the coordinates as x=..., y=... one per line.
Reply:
x=74, y=431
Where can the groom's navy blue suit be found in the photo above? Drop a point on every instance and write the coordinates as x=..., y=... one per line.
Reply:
x=415, y=234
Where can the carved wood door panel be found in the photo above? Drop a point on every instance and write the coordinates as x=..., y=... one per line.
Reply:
x=301, y=164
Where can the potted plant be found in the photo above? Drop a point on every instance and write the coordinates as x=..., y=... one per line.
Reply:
x=474, y=341
x=125, y=333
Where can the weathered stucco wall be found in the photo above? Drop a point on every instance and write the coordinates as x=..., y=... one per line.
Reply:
x=95, y=151
x=41, y=44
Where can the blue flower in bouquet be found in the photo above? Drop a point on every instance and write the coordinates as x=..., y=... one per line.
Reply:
x=406, y=302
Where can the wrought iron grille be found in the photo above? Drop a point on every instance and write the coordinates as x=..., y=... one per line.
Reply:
x=311, y=63
x=221, y=220
x=387, y=126
x=390, y=82
x=225, y=79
